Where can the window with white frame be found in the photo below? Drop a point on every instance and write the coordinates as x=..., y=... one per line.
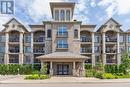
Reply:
x=62, y=43
x=62, y=15
x=56, y=15
x=62, y=31
x=68, y=15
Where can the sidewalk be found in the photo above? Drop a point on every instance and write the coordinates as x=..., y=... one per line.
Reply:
x=20, y=80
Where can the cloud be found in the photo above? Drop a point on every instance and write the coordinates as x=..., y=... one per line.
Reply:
x=112, y=7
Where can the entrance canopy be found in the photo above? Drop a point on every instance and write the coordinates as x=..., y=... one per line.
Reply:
x=62, y=56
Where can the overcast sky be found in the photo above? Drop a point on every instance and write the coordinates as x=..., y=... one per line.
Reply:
x=89, y=11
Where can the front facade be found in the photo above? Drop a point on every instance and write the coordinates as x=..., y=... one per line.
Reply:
x=63, y=44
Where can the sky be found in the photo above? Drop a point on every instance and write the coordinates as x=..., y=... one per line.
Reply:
x=88, y=11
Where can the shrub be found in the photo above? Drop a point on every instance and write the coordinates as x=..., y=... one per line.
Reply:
x=44, y=69
x=34, y=76
x=88, y=66
x=108, y=76
x=89, y=73
x=35, y=72
x=44, y=76
x=99, y=74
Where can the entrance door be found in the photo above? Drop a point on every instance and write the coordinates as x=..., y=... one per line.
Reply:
x=62, y=69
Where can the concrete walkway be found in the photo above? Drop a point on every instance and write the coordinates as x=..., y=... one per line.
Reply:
x=20, y=80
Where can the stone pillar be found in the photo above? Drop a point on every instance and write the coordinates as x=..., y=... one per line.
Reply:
x=74, y=70
x=51, y=68
x=21, y=49
x=93, y=53
x=104, y=48
x=83, y=68
x=6, y=59
x=118, y=49
x=32, y=60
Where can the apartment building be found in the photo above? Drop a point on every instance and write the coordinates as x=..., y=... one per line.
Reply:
x=64, y=44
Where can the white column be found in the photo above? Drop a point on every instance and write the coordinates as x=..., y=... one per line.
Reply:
x=73, y=64
x=93, y=55
x=21, y=48
x=118, y=48
x=32, y=47
x=51, y=68
x=104, y=48
x=104, y=44
x=83, y=67
x=6, y=59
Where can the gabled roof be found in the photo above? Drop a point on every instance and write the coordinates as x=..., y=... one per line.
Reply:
x=112, y=20
x=105, y=24
x=62, y=55
x=20, y=22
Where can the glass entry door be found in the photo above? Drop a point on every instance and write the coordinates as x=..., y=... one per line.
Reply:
x=62, y=69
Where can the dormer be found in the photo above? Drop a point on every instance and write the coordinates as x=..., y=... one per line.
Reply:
x=62, y=11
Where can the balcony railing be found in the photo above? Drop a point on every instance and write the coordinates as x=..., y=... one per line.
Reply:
x=36, y=50
x=14, y=50
x=112, y=39
x=63, y=34
x=109, y=60
x=39, y=39
x=86, y=50
x=85, y=39
x=111, y=50
x=13, y=39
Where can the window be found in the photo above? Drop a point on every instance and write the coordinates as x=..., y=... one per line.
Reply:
x=27, y=39
x=75, y=33
x=68, y=15
x=62, y=31
x=96, y=49
x=2, y=49
x=129, y=39
x=2, y=38
x=128, y=48
x=14, y=59
x=62, y=15
x=27, y=59
x=49, y=33
x=121, y=38
x=1, y=58
x=96, y=39
x=62, y=44
x=27, y=49
x=57, y=15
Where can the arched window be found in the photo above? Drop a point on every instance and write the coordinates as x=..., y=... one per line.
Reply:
x=76, y=33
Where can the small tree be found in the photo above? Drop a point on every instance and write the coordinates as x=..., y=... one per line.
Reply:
x=44, y=69
x=125, y=62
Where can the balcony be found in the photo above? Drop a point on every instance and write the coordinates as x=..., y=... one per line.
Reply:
x=63, y=34
x=111, y=39
x=110, y=50
x=85, y=50
x=14, y=50
x=13, y=39
x=85, y=39
x=38, y=50
x=39, y=39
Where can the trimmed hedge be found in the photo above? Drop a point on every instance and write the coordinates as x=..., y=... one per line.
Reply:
x=12, y=69
x=36, y=77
